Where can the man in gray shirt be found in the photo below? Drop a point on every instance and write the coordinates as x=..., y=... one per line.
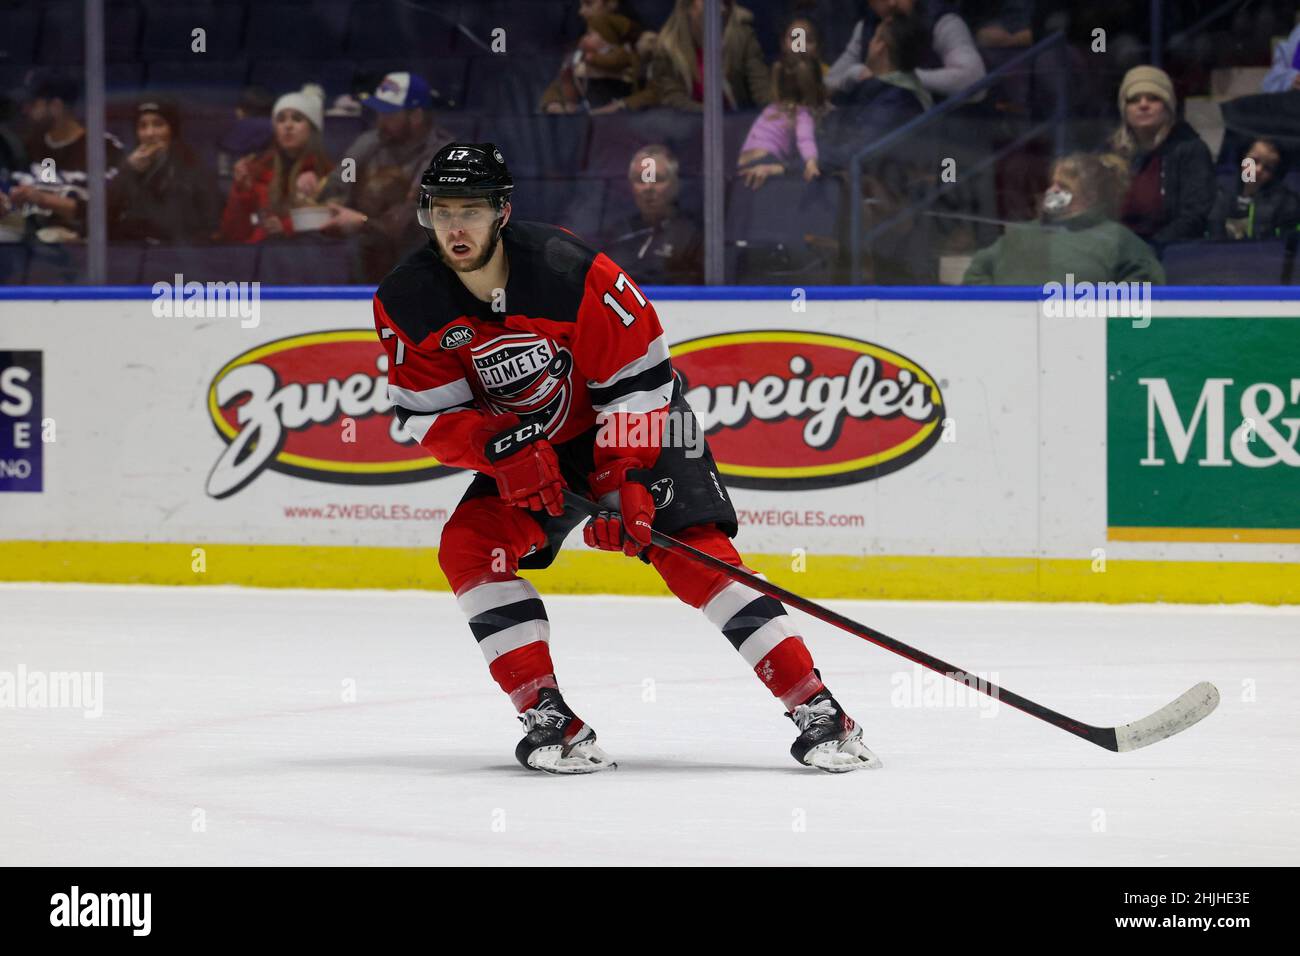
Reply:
x=372, y=189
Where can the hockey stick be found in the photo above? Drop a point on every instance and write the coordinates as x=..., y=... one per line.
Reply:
x=1174, y=717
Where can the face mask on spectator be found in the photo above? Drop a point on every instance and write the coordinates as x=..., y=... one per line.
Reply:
x=1056, y=202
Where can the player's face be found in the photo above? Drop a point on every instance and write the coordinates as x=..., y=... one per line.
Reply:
x=465, y=230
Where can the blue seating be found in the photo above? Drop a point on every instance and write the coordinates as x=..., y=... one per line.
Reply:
x=63, y=33
x=773, y=221
x=399, y=29
x=18, y=39
x=66, y=265
x=575, y=204
x=124, y=77
x=287, y=30
x=202, y=81
x=1258, y=262
x=503, y=85
x=13, y=263
x=215, y=263
x=615, y=138
x=306, y=261
x=541, y=146
x=529, y=27
x=168, y=32
x=335, y=75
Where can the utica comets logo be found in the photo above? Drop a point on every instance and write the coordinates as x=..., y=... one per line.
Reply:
x=282, y=406
x=526, y=374
x=785, y=410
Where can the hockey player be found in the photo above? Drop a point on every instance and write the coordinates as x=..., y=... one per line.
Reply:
x=517, y=351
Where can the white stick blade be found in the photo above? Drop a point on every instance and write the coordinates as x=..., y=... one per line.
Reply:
x=1170, y=719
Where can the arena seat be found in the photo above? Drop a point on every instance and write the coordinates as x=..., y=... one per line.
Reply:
x=575, y=204
x=306, y=261
x=394, y=29
x=224, y=262
x=1207, y=262
x=551, y=146
x=168, y=32
x=66, y=265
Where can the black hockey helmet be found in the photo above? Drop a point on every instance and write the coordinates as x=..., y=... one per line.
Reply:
x=465, y=170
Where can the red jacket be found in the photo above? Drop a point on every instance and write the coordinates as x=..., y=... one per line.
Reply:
x=243, y=204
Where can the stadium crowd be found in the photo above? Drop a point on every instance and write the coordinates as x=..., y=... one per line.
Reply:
x=284, y=140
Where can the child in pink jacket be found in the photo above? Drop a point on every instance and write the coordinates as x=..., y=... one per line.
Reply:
x=783, y=137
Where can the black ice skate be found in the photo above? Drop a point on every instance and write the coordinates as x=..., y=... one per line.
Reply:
x=828, y=738
x=556, y=740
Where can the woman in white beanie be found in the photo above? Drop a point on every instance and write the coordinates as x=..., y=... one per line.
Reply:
x=288, y=174
x=1172, y=183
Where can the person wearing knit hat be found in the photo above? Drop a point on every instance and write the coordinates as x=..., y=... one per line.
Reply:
x=373, y=204
x=308, y=101
x=290, y=173
x=1148, y=79
x=1172, y=183
x=161, y=192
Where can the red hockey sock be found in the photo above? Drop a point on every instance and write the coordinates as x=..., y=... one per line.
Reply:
x=523, y=672
x=788, y=673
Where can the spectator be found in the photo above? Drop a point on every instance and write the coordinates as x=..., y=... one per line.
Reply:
x=289, y=174
x=783, y=137
x=949, y=63
x=376, y=206
x=1257, y=204
x=1285, y=72
x=53, y=193
x=602, y=68
x=657, y=245
x=251, y=131
x=161, y=192
x=1076, y=234
x=13, y=155
x=891, y=95
x=676, y=71
x=1001, y=24
x=1172, y=186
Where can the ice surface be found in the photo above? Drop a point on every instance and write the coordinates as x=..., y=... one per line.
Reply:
x=230, y=702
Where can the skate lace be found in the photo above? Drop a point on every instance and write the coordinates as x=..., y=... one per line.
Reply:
x=543, y=715
x=805, y=715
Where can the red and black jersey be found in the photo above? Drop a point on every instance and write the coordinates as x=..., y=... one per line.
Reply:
x=571, y=338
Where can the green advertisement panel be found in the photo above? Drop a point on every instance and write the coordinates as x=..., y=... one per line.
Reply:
x=1202, y=416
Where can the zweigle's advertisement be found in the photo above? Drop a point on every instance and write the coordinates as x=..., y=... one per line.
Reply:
x=1203, y=416
x=20, y=421
x=799, y=410
x=314, y=406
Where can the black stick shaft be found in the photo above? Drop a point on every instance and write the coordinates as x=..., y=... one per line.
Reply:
x=1101, y=736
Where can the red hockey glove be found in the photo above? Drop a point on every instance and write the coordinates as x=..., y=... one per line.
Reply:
x=628, y=509
x=526, y=469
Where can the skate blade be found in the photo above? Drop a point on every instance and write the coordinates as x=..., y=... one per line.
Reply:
x=842, y=756
x=585, y=757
